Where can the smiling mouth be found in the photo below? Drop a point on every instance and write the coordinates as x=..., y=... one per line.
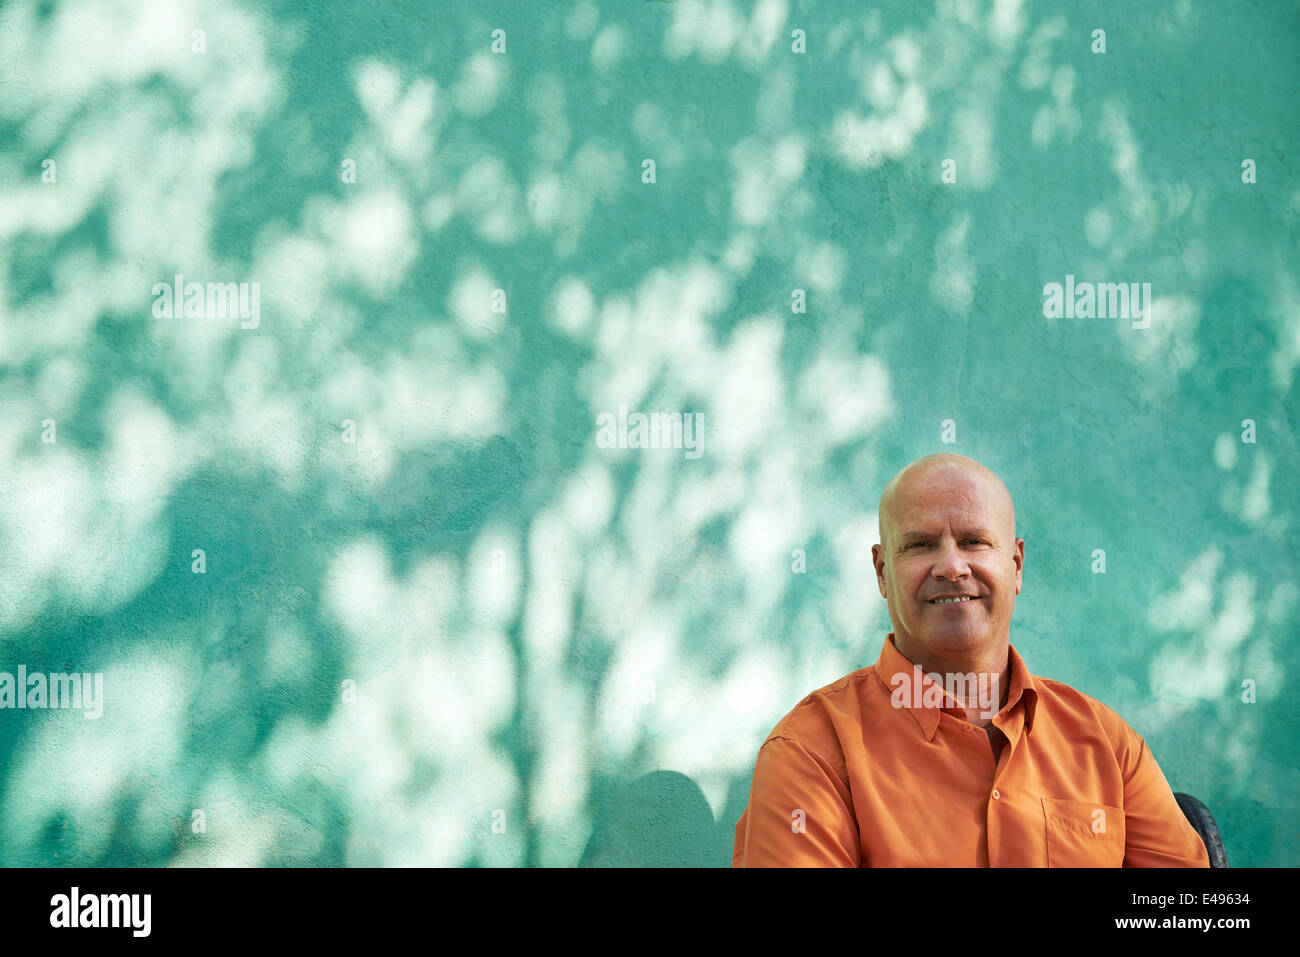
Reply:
x=952, y=601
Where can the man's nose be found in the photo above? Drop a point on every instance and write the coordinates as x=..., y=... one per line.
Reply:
x=949, y=563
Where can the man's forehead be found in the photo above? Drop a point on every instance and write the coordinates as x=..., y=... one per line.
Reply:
x=923, y=514
x=927, y=529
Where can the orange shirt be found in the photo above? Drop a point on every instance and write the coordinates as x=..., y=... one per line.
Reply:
x=847, y=779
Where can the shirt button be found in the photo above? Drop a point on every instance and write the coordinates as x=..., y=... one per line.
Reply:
x=996, y=795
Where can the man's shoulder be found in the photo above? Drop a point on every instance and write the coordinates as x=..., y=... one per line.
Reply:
x=812, y=722
x=1065, y=702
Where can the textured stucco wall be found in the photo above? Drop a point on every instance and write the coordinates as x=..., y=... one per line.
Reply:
x=435, y=620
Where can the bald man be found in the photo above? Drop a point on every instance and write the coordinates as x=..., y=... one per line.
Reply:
x=948, y=751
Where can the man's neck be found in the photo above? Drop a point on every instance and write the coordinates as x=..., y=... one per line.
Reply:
x=993, y=662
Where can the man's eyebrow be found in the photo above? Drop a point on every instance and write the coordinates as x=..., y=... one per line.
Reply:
x=964, y=533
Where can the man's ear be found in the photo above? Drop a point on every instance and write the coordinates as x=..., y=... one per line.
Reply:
x=878, y=560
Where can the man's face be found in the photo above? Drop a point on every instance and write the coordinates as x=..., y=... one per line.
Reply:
x=950, y=532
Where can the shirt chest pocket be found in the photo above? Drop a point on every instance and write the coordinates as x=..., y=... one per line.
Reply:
x=1083, y=833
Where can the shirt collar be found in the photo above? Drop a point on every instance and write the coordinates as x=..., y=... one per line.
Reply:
x=1010, y=720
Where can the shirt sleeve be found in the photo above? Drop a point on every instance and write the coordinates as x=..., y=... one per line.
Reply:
x=800, y=812
x=1157, y=833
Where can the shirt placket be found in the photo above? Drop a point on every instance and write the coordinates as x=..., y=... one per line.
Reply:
x=999, y=805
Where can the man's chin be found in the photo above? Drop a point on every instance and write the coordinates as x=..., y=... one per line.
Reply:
x=955, y=634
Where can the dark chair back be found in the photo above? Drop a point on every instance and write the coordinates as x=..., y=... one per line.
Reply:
x=1199, y=816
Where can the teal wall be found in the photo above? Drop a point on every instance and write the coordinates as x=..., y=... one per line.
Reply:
x=433, y=602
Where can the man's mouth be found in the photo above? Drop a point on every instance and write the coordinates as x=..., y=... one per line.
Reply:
x=948, y=601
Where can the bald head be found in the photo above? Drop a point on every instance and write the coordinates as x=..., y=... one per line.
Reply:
x=951, y=468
